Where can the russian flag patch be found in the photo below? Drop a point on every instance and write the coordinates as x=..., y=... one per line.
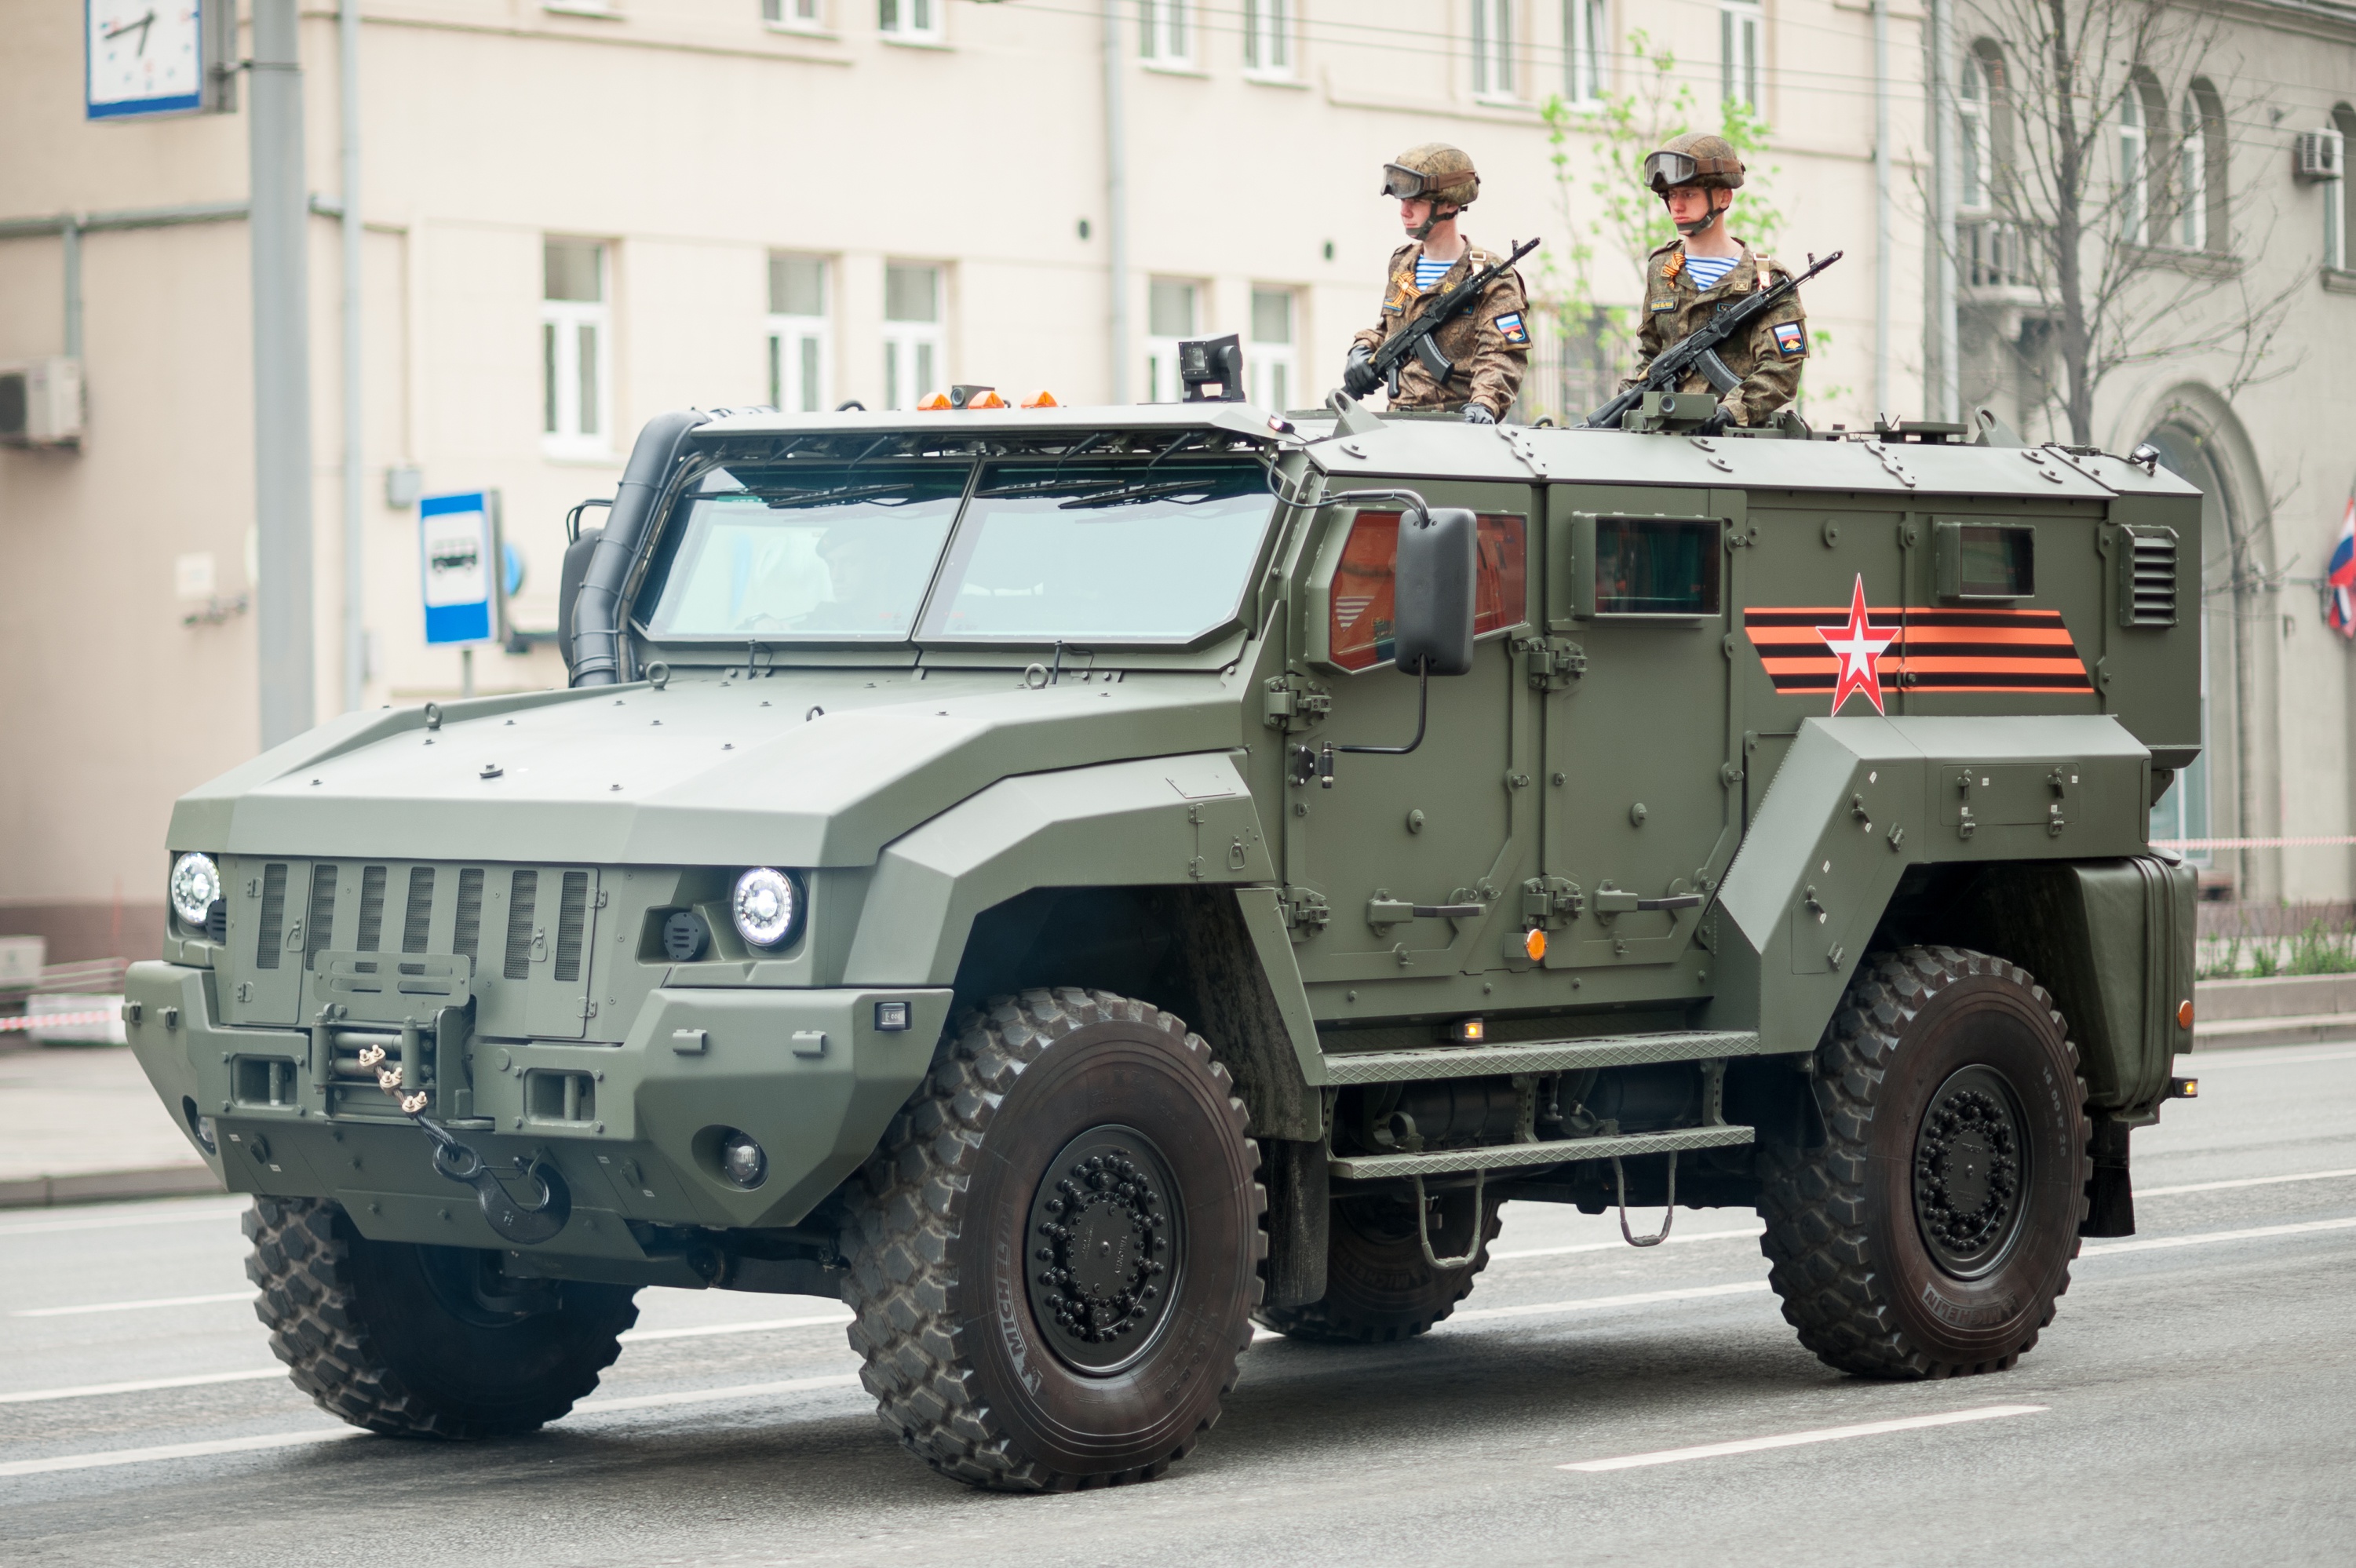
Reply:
x=1511, y=327
x=1791, y=340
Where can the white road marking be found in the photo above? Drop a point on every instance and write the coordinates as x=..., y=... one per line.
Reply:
x=1797, y=1439
x=109, y=1456
x=2149, y=1243
x=144, y=1385
x=1623, y=1246
x=109, y=1219
x=136, y=1306
x=113, y=1456
x=2241, y=1181
x=640, y=1335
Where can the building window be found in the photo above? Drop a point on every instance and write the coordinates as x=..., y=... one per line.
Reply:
x=2216, y=168
x=1164, y=34
x=575, y=349
x=912, y=334
x=804, y=15
x=1169, y=317
x=2339, y=223
x=1740, y=26
x=1267, y=36
x=1269, y=367
x=1585, y=43
x=800, y=359
x=917, y=21
x=2191, y=176
x=2134, y=168
x=1972, y=134
x=1493, y=48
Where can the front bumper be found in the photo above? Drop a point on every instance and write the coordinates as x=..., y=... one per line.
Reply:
x=633, y=1128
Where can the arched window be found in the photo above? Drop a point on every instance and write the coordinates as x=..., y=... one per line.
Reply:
x=2191, y=176
x=2143, y=170
x=1972, y=132
x=2216, y=168
x=2338, y=216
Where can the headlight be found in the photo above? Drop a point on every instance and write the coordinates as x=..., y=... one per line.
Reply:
x=195, y=882
x=768, y=906
x=743, y=1161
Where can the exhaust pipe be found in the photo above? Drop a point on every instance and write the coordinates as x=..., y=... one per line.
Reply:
x=596, y=645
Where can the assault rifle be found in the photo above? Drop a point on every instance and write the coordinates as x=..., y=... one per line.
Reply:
x=1698, y=351
x=1415, y=337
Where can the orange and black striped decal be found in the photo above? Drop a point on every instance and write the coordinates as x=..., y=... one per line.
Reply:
x=1930, y=650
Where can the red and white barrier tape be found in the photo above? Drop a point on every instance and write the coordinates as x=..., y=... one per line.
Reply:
x=58, y=1020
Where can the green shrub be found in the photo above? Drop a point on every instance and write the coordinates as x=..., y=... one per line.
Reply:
x=2318, y=952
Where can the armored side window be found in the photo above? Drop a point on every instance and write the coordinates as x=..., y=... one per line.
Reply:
x=1647, y=566
x=1359, y=604
x=1986, y=561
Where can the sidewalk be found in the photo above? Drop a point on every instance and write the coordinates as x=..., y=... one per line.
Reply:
x=80, y=1123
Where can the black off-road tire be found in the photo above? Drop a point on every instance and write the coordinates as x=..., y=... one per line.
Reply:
x=388, y=1337
x=965, y=1364
x=1928, y=1045
x=1379, y=1287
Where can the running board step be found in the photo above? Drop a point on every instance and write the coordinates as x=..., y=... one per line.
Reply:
x=1541, y=1056
x=1503, y=1156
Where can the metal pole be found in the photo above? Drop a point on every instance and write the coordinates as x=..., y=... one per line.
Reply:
x=1884, y=263
x=1946, y=390
x=347, y=95
x=1116, y=200
x=281, y=376
x=70, y=235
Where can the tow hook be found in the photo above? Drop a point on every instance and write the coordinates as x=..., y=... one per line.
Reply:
x=525, y=1224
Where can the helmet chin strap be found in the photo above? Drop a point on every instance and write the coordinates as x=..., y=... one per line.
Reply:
x=1433, y=220
x=1708, y=218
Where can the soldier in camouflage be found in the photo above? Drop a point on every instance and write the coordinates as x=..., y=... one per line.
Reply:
x=1687, y=279
x=1489, y=342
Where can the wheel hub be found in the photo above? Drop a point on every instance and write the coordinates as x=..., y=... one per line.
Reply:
x=1104, y=1245
x=1969, y=1175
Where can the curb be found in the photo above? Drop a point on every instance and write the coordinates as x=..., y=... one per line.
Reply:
x=100, y=1187
x=2296, y=1029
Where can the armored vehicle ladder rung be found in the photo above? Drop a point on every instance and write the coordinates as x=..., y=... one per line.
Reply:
x=1501, y=1156
x=1542, y=1056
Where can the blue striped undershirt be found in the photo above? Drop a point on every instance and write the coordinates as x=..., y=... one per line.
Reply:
x=1708, y=271
x=1428, y=273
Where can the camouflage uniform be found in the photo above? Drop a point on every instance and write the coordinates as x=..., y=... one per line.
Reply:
x=1488, y=340
x=1769, y=363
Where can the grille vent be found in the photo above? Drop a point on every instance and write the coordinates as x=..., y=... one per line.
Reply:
x=273, y=915
x=522, y=899
x=371, y=910
x=420, y=913
x=323, y=911
x=571, y=920
x=467, y=938
x=2147, y=596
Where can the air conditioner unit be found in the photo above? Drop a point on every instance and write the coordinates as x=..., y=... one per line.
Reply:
x=2318, y=154
x=40, y=402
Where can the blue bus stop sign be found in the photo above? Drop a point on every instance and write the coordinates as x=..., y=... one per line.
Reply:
x=457, y=543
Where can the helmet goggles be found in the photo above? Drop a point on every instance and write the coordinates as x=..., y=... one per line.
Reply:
x=1401, y=183
x=1663, y=170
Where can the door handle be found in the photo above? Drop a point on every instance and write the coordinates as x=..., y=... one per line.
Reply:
x=1391, y=911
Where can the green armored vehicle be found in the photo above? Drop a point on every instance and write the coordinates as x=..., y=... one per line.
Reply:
x=989, y=867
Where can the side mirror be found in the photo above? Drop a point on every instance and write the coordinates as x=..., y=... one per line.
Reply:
x=1431, y=595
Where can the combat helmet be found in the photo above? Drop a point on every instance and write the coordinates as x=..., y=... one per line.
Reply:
x=1434, y=169
x=1695, y=158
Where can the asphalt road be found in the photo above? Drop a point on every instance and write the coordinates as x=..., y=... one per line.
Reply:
x=2190, y=1405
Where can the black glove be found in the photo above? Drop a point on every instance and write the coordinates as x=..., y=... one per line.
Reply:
x=1476, y=414
x=1358, y=377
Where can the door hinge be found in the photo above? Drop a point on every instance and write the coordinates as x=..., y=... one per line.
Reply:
x=1553, y=664
x=1306, y=911
x=1290, y=703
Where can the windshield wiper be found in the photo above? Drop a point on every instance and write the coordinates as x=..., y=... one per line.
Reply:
x=1208, y=489
x=840, y=493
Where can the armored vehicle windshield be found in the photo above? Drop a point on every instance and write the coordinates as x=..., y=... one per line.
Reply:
x=1035, y=551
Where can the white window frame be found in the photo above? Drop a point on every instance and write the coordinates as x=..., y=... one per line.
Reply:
x=915, y=353
x=1167, y=35
x=2192, y=174
x=1741, y=46
x=2135, y=167
x=912, y=21
x=1586, y=51
x=1272, y=366
x=1972, y=134
x=1269, y=45
x=566, y=328
x=795, y=15
x=1491, y=49
x=2335, y=207
x=1161, y=382
x=801, y=350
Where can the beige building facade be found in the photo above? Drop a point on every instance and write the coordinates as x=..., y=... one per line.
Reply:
x=575, y=215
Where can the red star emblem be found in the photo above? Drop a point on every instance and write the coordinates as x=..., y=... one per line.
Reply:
x=1858, y=650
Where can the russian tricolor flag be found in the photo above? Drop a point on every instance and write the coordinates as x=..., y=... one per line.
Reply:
x=2339, y=583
